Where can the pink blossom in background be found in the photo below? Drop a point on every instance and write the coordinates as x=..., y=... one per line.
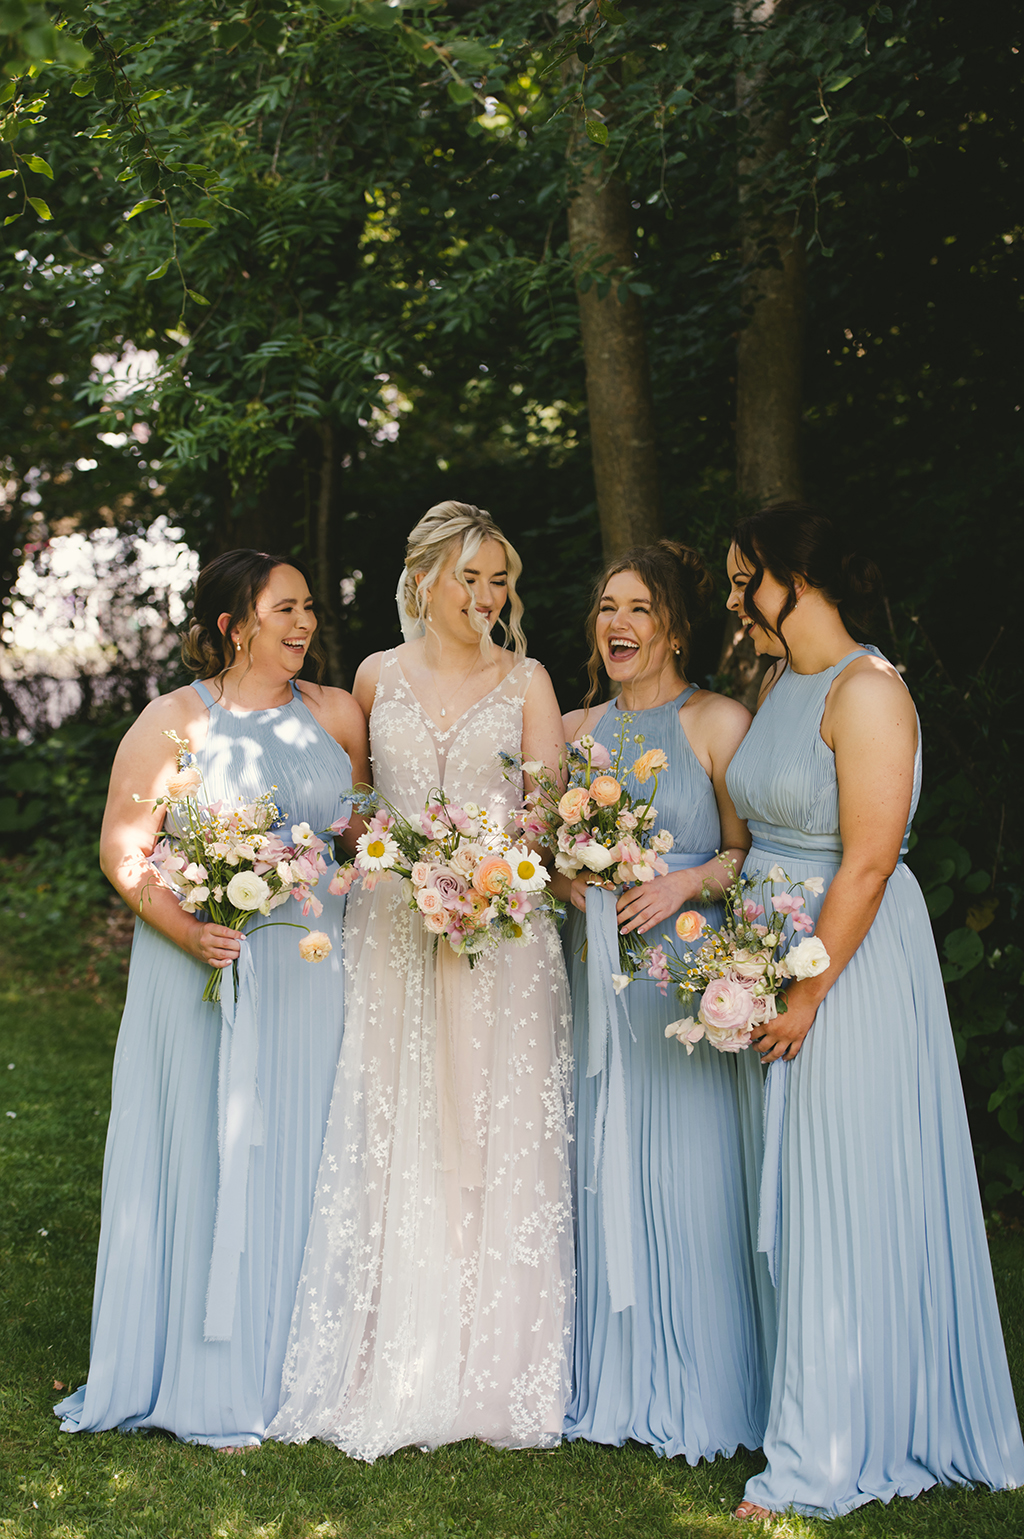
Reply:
x=787, y=903
x=600, y=758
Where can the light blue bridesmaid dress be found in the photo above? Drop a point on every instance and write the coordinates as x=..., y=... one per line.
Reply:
x=890, y=1372
x=151, y=1364
x=684, y=1368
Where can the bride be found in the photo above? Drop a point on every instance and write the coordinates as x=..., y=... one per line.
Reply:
x=436, y=1295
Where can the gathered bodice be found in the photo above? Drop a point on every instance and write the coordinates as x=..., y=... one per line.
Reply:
x=249, y=752
x=686, y=798
x=412, y=757
x=782, y=778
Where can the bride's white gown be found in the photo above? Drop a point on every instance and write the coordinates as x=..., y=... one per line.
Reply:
x=436, y=1296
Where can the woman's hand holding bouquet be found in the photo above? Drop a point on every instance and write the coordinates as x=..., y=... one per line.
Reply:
x=232, y=863
x=737, y=970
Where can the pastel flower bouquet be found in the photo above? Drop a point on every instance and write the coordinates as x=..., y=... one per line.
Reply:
x=737, y=970
x=232, y=863
x=474, y=885
x=596, y=824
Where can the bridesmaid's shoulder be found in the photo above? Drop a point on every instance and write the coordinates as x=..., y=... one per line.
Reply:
x=869, y=684
x=575, y=723
x=176, y=711
x=718, y=714
x=334, y=709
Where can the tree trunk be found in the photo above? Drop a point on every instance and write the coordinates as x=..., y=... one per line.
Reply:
x=619, y=401
x=769, y=364
x=619, y=404
x=326, y=578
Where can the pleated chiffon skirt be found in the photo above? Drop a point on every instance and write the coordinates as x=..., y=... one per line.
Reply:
x=150, y=1365
x=891, y=1373
x=686, y=1369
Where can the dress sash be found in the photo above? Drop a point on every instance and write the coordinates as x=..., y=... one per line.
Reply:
x=608, y=1020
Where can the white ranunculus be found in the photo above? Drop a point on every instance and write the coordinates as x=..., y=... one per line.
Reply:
x=594, y=856
x=566, y=865
x=247, y=891
x=807, y=959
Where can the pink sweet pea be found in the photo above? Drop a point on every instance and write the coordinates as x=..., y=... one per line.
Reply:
x=803, y=922
x=600, y=758
x=752, y=910
x=787, y=903
x=342, y=880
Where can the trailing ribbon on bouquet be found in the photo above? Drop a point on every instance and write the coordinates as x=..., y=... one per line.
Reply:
x=239, y=1129
x=608, y=1018
x=457, y=1027
x=769, y=1213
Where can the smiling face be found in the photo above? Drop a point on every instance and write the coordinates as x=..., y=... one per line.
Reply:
x=286, y=622
x=632, y=643
x=770, y=597
x=463, y=614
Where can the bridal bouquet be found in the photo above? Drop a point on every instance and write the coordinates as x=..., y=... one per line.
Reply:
x=473, y=884
x=596, y=824
x=231, y=861
x=737, y=969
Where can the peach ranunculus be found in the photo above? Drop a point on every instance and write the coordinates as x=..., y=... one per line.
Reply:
x=689, y=925
x=185, y=783
x=314, y=946
x=492, y=876
x=648, y=764
x=605, y=790
x=575, y=804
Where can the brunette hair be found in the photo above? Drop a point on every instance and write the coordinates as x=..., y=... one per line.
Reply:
x=680, y=586
x=232, y=584
x=458, y=528
x=796, y=539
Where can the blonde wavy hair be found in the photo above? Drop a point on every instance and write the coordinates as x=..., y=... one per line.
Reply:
x=445, y=529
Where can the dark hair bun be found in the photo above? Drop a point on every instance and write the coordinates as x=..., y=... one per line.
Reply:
x=230, y=584
x=797, y=539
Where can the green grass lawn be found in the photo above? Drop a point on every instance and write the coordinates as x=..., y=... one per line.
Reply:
x=58, y=1034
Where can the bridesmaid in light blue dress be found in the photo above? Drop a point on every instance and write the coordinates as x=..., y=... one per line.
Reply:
x=179, y=1343
x=890, y=1374
x=674, y=1319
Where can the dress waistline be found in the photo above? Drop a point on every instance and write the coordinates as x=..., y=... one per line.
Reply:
x=802, y=852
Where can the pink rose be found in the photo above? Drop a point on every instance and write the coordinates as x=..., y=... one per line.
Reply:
x=447, y=884
x=435, y=923
x=429, y=901
x=726, y=1006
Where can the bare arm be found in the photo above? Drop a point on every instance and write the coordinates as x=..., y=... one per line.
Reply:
x=341, y=716
x=874, y=736
x=145, y=761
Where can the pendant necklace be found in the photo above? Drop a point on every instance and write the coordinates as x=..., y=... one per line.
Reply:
x=455, y=691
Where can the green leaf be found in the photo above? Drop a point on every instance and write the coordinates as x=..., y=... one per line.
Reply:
x=5, y=174
x=37, y=163
x=837, y=85
x=140, y=208
x=611, y=13
x=195, y=224
x=460, y=94
x=964, y=949
x=938, y=900
x=200, y=300
x=230, y=34
x=158, y=272
x=10, y=219
x=384, y=17
x=41, y=207
x=596, y=131
x=584, y=52
x=151, y=96
x=470, y=52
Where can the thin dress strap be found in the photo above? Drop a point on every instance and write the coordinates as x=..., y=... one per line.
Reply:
x=680, y=700
x=851, y=657
x=203, y=693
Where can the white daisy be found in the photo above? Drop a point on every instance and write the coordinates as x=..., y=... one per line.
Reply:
x=376, y=852
x=528, y=875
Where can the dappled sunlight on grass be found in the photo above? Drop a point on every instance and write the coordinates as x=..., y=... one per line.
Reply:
x=114, y=1486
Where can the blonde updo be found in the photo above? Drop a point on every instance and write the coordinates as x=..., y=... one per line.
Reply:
x=231, y=584
x=681, y=588
x=458, y=528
